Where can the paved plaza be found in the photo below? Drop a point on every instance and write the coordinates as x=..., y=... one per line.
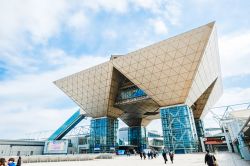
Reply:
x=224, y=159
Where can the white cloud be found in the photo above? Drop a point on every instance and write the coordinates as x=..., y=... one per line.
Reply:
x=235, y=53
x=159, y=26
x=78, y=21
x=24, y=25
x=170, y=10
x=32, y=101
x=234, y=96
x=115, y=6
x=37, y=19
x=14, y=62
x=173, y=13
x=29, y=94
x=17, y=124
x=109, y=34
x=39, y=87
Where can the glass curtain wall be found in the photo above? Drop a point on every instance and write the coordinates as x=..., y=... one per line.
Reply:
x=179, y=129
x=200, y=131
x=138, y=136
x=130, y=93
x=199, y=127
x=103, y=135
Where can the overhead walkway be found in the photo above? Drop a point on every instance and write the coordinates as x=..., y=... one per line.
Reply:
x=67, y=126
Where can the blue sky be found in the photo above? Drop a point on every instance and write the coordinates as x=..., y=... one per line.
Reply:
x=42, y=41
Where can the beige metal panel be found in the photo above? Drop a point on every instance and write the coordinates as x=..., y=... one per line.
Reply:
x=146, y=121
x=90, y=89
x=208, y=72
x=202, y=101
x=114, y=111
x=165, y=70
x=213, y=97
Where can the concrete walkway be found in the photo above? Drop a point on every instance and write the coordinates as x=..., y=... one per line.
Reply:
x=231, y=159
x=224, y=159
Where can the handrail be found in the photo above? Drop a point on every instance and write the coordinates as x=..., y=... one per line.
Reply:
x=67, y=126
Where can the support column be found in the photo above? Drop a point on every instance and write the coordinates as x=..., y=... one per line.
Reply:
x=103, y=134
x=203, y=149
x=227, y=138
x=179, y=129
x=200, y=132
x=137, y=136
x=199, y=127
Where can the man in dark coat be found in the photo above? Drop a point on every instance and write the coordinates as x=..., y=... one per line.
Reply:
x=141, y=155
x=144, y=155
x=210, y=159
x=164, y=155
x=171, y=156
x=19, y=161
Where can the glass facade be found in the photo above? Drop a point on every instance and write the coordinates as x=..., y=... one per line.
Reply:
x=103, y=135
x=153, y=135
x=200, y=131
x=138, y=136
x=199, y=127
x=130, y=93
x=179, y=130
x=156, y=142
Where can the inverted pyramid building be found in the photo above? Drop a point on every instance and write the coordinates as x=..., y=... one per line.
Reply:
x=184, y=69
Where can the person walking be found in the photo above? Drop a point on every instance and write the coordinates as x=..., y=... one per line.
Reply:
x=154, y=153
x=141, y=155
x=151, y=154
x=171, y=156
x=128, y=153
x=19, y=161
x=164, y=155
x=134, y=152
x=2, y=161
x=148, y=155
x=144, y=155
x=11, y=162
x=210, y=160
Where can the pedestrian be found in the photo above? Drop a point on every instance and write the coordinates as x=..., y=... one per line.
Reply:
x=164, y=155
x=154, y=154
x=141, y=155
x=134, y=152
x=11, y=162
x=2, y=161
x=171, y=156
x=19, y=161
x=128, y=153
x=148, y=155
x=151, y=154
x=210, y=160
x=144, y=155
